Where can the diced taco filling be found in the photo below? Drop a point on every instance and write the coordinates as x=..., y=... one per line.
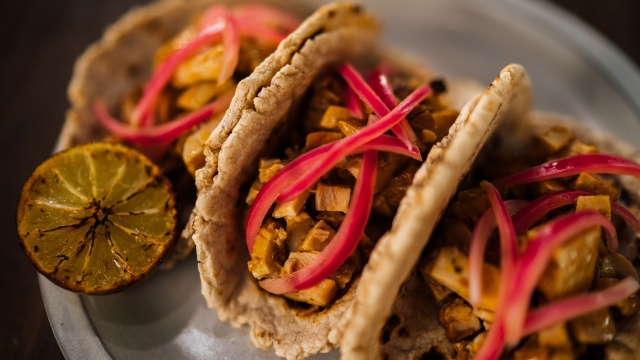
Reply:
x=296, y=231
x=549, y=285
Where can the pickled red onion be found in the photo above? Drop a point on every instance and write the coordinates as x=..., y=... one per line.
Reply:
x=578, y=305
x=267, y=15
x=535, y=258
x=165, y=132
x=231, y=43
x=479, y=238
x=536, y=209
x=211, y=16
x=494, y=341
x=379, y=82
x=263, y=34
x=574, y=165
x=344, y=241
x=369, y=97
x=343, y=147
x=524, y=214
x=508, y=245
x=165, y=70
x=352, y=103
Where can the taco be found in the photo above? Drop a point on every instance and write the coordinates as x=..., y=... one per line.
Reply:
x=281, y=133
x=575, y=294
x=161, y=78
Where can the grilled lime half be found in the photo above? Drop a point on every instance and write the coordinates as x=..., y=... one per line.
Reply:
x=96, y=218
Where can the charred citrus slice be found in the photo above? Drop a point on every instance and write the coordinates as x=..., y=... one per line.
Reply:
x=97, y=217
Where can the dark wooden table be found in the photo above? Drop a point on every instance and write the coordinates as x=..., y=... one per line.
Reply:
x=40, y=41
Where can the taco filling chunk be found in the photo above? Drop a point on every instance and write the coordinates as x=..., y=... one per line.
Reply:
x=338, y=184
x=559, y=279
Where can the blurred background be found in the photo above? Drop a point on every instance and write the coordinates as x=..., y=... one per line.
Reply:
x=41, y=40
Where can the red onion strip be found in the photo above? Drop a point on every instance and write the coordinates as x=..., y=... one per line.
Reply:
x=231, y=43
x=267, y=15
x=352, y=103
x=162, y=133
x=494, y=340
x=508, y=245
x=369, y=97
x=578, y=305
x=212, y=16
x=379, y=82
x=346, y=146
x=541, y=206
x=535, y=258
x=343, y=243
x=492, y=348
x=538, y=208
x=481, y=232
x=574, y=165
x=263, y=34
x=165, y=70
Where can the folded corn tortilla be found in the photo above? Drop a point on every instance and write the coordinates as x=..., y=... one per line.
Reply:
x=253, y=125
x=121, y=61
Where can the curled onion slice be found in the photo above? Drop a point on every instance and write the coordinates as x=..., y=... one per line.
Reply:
x=494, y=343
x=369, y=97
x=163, y=133
x=263, y=34
x=345, y=146
x=343, y=243
x=479, y=238
x=535, y=258
x=574, y=165
x=578, y=305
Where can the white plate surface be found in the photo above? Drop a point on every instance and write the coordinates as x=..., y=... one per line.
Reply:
x=574, y=71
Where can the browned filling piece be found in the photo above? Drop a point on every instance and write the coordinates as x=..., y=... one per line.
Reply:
x=296, y=231
x=581, y=265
